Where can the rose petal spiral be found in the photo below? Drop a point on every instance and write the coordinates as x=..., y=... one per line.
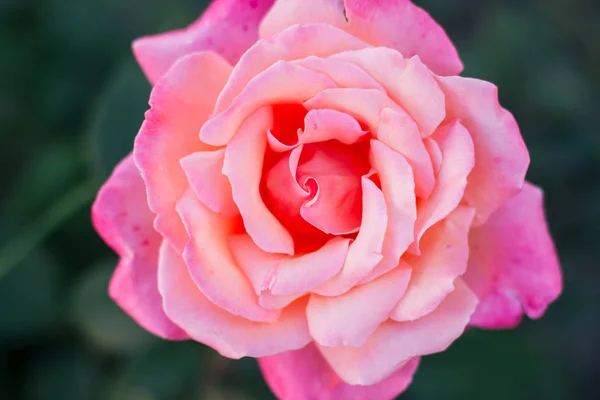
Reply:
x=314, y=186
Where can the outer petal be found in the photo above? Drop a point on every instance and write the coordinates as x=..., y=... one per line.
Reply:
x=343, y=73
x=283, y=82
x=304, y=374
x=445, y=252
x=501, y=156
x=122, y=218
x=396, y=342
x=349, y=319
x=211, y=264
x=457, y=150
x=513, y=267
x=397, y=24
x=228, y=27
x=409, y=83
x=243, y=166
x=230, y=335
x=180, y=103
x=203, y=171
x=298, y=41
x=284, y=275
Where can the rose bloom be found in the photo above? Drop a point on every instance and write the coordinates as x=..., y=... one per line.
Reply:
x=315, y=186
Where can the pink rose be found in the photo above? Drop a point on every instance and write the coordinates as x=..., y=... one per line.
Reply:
x=315, y=186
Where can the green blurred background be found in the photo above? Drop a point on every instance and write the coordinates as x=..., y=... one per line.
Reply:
x=71, y=101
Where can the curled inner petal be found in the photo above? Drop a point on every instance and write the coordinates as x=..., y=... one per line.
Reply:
x=331, y=172
x=243, y=165
x=315, y=189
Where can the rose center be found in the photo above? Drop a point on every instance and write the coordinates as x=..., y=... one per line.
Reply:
x=314, y=189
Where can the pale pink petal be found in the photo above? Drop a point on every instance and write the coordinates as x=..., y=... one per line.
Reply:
x=298, y=41
x=397, y=24
x=393, y=343
x=398, y=187
x=243, y=166
x=227, y=27
x=398, y=131
x=365, y=252
x=401, y=25
x=280, y=83
x=211, y=264
x=409, y=83
x=513, y=267
x=363, y=104
x=121, y=216
x=383, y=268
x=284, y=275
x=203, y=171
x=418, y=93
x=457, y=149
x=288, y=13
x=444, y=256
x=435, y=154
x=500, y=153
x=321, y=125
x=349, y=319
x=304, y=374
x=384, y=64
x=343, y=73
x=273, y=302
x=230, y=335
x=180, y=103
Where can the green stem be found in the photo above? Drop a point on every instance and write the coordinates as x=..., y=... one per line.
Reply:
x=17, y=249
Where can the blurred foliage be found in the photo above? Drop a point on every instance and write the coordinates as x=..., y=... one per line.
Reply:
x=71, y=102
